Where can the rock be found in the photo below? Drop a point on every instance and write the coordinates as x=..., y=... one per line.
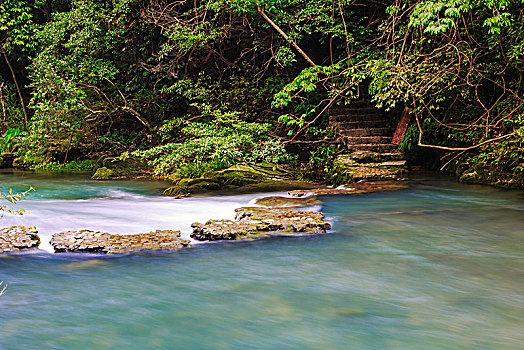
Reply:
x=252, y=222
x=356, y=188
x=88, y=241
x=241, y=178
x=17, y=238
x=360, y=165
x=277, y=201
x=104, y=174
x=107, y=168
x=470, y=177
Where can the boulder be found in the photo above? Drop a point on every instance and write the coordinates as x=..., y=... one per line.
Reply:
x=253, y=222
x=107, y=168
x=243, y=178
x=279, y=201
x=17, y=238
x=88, y=241
x=361, y=187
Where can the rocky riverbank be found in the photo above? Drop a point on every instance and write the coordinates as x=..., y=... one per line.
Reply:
x=274, y=215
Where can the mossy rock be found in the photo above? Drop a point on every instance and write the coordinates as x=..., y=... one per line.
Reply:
x=104, y=174
x=279, y=201
x=494, y=177
x=114, y=167
x=192, y=186
x=361, y=165
x=243, y=178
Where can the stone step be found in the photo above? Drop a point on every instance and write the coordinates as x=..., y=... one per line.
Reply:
x=372, y=147
x=365, y=131
x=363, y=124
x=353, y=110
x=355, y=140
x=355, y=117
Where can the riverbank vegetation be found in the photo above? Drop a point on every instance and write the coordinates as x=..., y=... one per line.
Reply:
x=197, y=86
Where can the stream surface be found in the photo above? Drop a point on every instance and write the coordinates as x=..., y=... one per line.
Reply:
x=436, y=266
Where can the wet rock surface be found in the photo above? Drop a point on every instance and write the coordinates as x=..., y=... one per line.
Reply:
x=279, y=201
x=17, y=238
x=88, y=241
x=253, y=222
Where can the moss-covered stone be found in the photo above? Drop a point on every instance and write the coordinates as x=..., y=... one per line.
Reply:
x=242, y=178
x=107, y=168
x=360, y=187
x=278, y=201
x=362, y=165
x=103, y=174
x=494, y=177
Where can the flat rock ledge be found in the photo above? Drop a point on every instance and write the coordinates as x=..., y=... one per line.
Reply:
x=253, y=222
x=17, y=238
x=360, y=187
x=87, y=241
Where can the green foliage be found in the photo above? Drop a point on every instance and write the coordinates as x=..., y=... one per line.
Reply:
x=217, y=144
x=17, y=24
x=321, y=161
x=11, y=113
x=7, y=141
x=79, y=165
x=13, y=198
x=193, y=87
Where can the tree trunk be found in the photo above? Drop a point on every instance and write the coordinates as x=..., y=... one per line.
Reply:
x=16, y=84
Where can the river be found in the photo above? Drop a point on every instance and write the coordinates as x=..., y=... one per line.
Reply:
x=437, y=266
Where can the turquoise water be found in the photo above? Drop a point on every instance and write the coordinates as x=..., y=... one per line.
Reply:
x=437, y=266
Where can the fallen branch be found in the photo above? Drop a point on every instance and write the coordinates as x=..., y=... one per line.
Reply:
x=277, y=28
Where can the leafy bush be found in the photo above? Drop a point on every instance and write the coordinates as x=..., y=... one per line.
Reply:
x=215, y=145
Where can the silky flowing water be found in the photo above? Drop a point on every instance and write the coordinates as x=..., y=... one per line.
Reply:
x=436, y=266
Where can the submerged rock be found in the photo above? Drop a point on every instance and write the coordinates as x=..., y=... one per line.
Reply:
x=88, y=241
x=252, y=222
x=17, y=238
x=245, y=178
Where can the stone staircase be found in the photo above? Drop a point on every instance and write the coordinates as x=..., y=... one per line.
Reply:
x=362, y=126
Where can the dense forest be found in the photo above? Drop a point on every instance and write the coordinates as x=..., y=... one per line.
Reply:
x=194, y=86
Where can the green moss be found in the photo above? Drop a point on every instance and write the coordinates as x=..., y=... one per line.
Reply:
x=242, y=178
x=104, y=174
x=350, y=168
x=113, y=167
